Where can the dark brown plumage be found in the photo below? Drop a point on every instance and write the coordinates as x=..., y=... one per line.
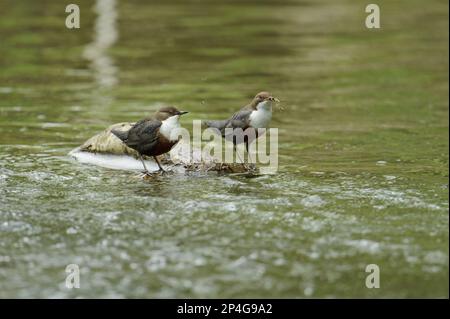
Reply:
x=145, y=136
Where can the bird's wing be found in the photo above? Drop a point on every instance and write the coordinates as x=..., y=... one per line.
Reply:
x=240, y=119
x=122, y=135
x=143, y=135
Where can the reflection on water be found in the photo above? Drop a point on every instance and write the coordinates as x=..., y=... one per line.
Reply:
x=105, y=35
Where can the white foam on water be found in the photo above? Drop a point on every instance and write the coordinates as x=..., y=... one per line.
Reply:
x=364, y=245
x=312, y=201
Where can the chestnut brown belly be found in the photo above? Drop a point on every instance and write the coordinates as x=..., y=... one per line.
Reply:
x=162, y=146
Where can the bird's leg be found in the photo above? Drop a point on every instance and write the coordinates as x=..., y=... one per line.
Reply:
x=251, y=164
x=248, y=153
x=159, y=165
x=143, y=163
x=239, y=156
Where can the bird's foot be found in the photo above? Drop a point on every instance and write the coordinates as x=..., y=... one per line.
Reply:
x=249, y=167
x=153, y=175
x=146, y=173
x=163, y=172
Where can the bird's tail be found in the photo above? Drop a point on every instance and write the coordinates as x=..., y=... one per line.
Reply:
x=220, y=125
x=123, y=135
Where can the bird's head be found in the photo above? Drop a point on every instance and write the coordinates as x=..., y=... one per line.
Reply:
x=264, y=100
x=167, y=112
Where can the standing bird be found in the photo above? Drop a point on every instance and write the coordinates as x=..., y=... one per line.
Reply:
x=255, y=115
x=152, y=136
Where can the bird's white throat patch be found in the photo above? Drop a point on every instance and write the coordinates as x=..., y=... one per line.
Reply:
x=260, y=118
x=168, y=126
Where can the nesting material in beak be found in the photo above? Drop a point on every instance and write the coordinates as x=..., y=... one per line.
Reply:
x=276, y=100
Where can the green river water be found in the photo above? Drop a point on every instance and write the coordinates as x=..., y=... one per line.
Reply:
x=363, y=150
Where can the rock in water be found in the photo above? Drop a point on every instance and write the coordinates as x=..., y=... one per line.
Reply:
x=105, y=149
x=108, y=143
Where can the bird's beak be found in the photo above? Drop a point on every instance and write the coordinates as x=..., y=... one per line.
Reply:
x=274, y=99
x=183, y=112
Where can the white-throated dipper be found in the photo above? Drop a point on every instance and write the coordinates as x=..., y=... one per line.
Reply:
x=152, y=136
x=255, y=115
